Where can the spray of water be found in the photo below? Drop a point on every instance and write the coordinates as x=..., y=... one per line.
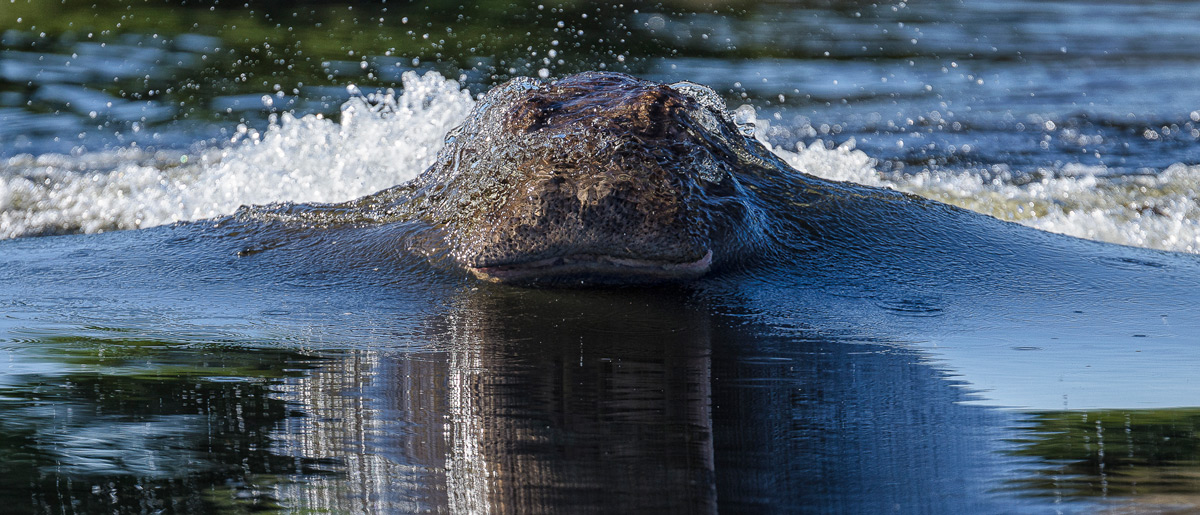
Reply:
x=386, y=139
x=381, y=140
x=1159, y=211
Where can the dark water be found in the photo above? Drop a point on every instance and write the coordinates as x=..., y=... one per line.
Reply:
x=157, y=370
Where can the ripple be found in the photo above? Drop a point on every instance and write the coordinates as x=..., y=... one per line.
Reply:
x=912, y=307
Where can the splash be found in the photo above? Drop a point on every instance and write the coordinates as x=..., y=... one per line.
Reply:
x=1153, y=210
x=386, y=139
x=381, y=140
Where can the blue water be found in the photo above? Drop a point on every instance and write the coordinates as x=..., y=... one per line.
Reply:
x=923, y=363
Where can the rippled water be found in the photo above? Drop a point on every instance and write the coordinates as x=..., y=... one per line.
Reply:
x=151, y=368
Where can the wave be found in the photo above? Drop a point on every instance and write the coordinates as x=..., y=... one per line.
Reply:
x=1152, y=210
x=383, y=139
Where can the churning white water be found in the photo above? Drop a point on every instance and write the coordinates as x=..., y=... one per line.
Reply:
x=1159, y=211
x=385, y=139
x=381, y=140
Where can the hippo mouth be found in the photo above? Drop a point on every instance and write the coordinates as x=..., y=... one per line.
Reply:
x=593, y=268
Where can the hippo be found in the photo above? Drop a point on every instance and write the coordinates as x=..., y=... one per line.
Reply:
x=606, y=179
x=603, y=178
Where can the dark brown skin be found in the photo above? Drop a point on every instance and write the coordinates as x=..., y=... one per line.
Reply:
x=594, y=178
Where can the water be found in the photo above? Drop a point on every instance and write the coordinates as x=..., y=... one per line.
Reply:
x=146, y=367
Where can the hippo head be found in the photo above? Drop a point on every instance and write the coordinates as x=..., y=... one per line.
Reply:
x=594, y=178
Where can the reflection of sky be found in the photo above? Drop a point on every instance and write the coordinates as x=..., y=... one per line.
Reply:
x=1053, y=369
x=1074, y=337
x=15, y=364
x=152, y=448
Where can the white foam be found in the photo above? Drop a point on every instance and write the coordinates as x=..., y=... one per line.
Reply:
x=1155, y=210
x=386, y=142
x=840, y=163
x=311, y=159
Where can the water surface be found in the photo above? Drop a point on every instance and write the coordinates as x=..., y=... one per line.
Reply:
x=149, y=367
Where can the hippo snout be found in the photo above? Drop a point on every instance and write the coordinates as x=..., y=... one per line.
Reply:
x=589, y=226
